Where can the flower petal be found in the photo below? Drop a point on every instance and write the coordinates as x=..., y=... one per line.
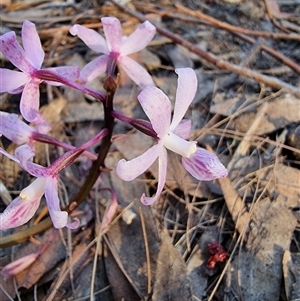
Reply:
x=186, y=91
x=139, y=39
x=110, y=211
x=91, y=38
x=18, y=265
x=70, y=73
x=58, y=217
x=30, y=102
x=73, y=225
x=136, y=72
x=11, y=157
x=43, y=128
x=32, y=44
x=33, y=191
x=24, y=153
x=129, y=170
x=157, y=107
x=12, y=81
x=183, y=129
x=113, y=33
x=18, y=212
x=162, y=174
x=93, y=69
x=204, y=166
x=14, y=129
x=13, y=51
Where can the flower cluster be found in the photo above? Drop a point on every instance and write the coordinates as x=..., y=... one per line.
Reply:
x=115, y=50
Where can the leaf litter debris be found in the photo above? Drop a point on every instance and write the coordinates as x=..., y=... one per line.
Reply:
x=232, y=239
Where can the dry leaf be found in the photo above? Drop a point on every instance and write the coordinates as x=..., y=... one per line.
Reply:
x=82, y=111
x=291, y=273
x=171, y=281
x=256, y=271
x=127, y=242
x=235, y=205
x=119, y=285
x=9, y=168
x=283, y=179
x=274, y=10
x=273, y=118
x=197, y=271
x=180, y=57
x=54, y=253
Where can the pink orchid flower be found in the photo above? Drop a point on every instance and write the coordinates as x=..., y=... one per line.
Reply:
x=203, y=165
x=115, y=49
x=22, y=208
x=19, y=132
x=29, y=60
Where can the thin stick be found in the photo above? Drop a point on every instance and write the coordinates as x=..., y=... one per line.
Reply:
x=212, y=21
x=147, y=250
x=265, y=34
x=211, y=58
x=279, y=56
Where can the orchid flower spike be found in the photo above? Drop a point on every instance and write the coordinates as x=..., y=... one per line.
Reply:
x=22, y=208
x=29, y=60
x=201, y=164
x=115, y=49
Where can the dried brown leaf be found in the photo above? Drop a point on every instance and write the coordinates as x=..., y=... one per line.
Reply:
x=256, y=272
x=127, y=242
x=274, y=10
x=119, y=285
x=235, y=205
x=273, y=119
x=197, y=271
x=180, y=57
x=82, y=111
x=51, y=112
x=171, y=281
x=54, y=253
x=284, y=180
x=291, y=273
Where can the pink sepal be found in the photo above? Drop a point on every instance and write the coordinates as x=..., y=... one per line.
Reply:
x=162, y=174
x=129, y=170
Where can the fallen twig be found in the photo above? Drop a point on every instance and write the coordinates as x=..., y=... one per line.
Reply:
x=265, y=34
x=279, y=56
x=211, y=58
x=287, y=61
